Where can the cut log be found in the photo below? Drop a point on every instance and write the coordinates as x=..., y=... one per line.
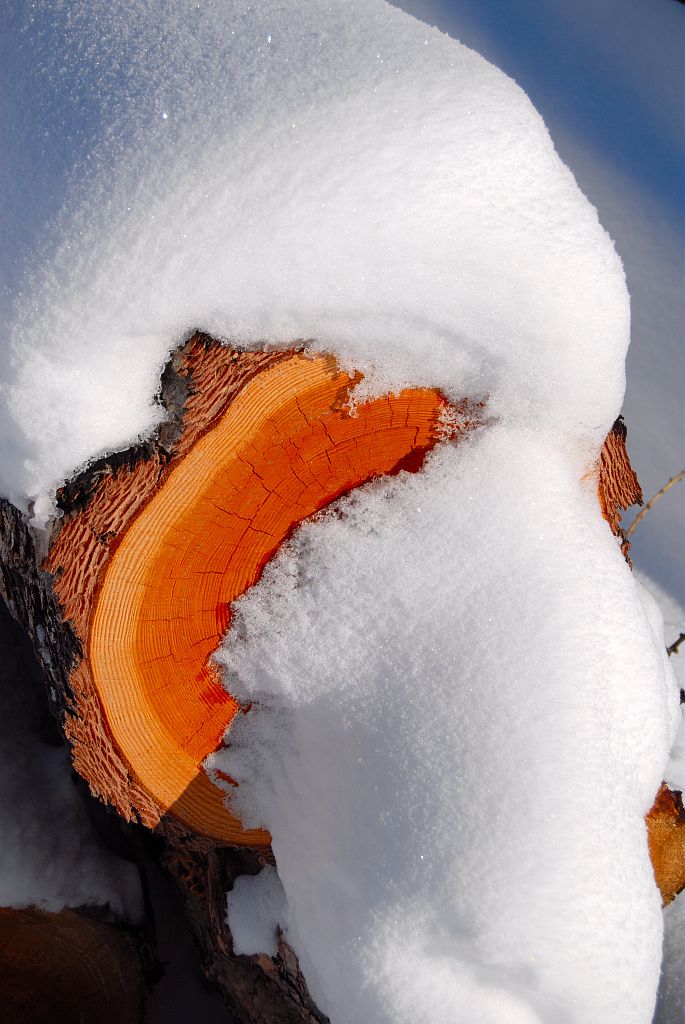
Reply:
x=146, y=569
x=59, y=968
x=134, y=593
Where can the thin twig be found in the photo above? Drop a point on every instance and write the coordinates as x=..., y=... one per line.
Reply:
x=659, y=494
x=673, y=649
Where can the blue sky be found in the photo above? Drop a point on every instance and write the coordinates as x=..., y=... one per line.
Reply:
x=609, y=71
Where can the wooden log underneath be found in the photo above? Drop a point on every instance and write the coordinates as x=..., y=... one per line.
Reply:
x=150, y=554
x=66, y=967
x=255, y=442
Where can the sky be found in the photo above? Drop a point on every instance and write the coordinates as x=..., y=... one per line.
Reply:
x=609, y=73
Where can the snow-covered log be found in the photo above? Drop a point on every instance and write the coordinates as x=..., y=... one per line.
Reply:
x=132, y=596
x=150, y=554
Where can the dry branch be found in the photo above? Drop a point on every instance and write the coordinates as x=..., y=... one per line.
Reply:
x=675, y=646
x=653, y=500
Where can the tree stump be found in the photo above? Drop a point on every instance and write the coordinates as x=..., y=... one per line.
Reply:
x=133, y=595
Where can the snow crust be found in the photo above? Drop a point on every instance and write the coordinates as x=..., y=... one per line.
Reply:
x=463, y=704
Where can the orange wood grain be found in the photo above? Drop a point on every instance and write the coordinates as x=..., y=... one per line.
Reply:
x=203, y=378
x=286, y=447
x=147, y=562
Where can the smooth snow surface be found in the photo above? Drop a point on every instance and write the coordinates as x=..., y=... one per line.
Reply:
x=463, y=705
x=650, y=241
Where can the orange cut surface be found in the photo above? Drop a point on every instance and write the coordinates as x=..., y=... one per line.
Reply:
x=286, y=447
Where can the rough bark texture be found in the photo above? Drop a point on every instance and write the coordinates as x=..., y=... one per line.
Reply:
x=618, y=487
x=155, y=544
x=256, y=988
x=96, y=507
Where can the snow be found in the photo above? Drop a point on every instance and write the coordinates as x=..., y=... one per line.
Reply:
x=670, y=1007
x=619, y=127
x=673, y=615
x=464, y=708
x=650, y=240
x=255, y=906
